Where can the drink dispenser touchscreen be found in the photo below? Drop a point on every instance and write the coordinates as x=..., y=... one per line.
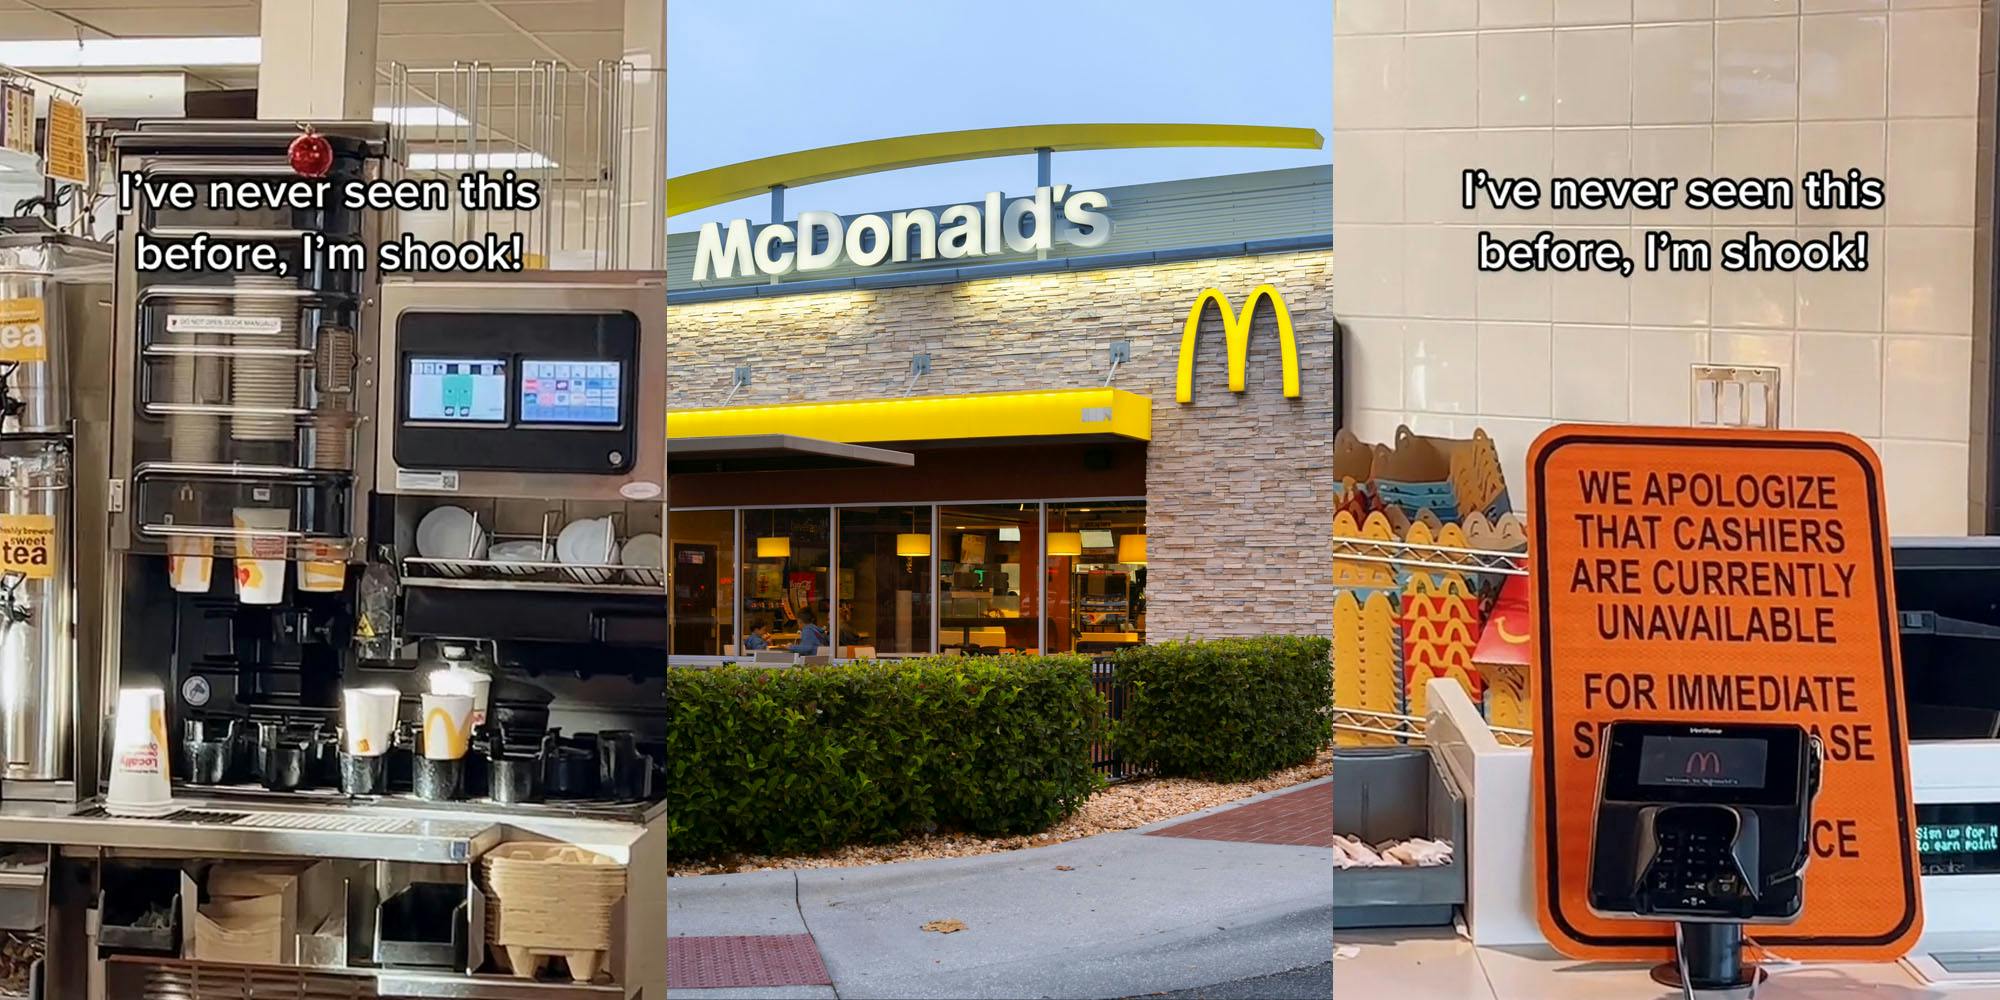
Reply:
x=458, y=390
x=570, y=392
x=531, y=393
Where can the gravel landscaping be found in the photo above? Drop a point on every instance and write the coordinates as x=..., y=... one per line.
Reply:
x=1119, y=807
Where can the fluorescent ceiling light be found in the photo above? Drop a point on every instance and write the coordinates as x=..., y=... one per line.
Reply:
x=485, y=161
x=125, y=52
x=429, y=116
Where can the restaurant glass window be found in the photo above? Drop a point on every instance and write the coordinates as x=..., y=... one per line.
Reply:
x=989, y=599
x=785, y=559
x=1096, y=575
x=703, y=544
x=885, y=579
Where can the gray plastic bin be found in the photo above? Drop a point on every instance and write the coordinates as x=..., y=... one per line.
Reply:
x=1392, y=793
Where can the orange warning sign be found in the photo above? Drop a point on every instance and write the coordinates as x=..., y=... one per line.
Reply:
x=1728, y=575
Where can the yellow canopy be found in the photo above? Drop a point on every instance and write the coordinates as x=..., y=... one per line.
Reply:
x=977, y=416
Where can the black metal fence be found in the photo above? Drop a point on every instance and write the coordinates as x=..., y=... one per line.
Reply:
x=1103, y=756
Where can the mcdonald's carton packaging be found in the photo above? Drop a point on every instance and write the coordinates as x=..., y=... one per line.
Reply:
x=1504, y=640
x=1502, y=656
x=139, y=782
x=261, y=913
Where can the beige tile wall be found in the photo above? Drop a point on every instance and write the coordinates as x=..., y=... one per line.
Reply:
x=1541, y=88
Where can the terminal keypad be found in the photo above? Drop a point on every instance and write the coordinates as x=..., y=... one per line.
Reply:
x=1693, y=866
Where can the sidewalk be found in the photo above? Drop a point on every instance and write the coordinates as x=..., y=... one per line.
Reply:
x=1227, y=894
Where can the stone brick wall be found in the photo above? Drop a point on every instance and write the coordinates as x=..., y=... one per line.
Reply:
x=1238, y=486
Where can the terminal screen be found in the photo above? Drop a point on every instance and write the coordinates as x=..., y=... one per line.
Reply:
x=1702, y=762
x=1958, y=838
x=571, y=392
x=460, y=390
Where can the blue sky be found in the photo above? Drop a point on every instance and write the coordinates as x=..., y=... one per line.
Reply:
x=751, y=78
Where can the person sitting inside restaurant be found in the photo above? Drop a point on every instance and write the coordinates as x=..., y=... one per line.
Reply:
x=811, y=636
x=759, y=637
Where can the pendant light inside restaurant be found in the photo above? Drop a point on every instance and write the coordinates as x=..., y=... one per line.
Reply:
x=1132, y=549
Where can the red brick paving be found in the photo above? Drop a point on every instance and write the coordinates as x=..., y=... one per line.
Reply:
x=1303, y=817
x=696, y=963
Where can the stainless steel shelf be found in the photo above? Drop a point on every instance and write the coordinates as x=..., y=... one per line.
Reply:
x=255, y=797
x=199, y=828
x=404, y=983
x=318, y=981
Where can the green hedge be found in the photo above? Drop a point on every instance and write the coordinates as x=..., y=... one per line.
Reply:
x=1225, y=709
x=810, y=758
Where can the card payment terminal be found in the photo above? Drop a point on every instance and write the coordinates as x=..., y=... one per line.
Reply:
x=1704, y=824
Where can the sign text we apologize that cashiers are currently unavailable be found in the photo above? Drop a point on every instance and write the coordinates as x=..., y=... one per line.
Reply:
x=1719, y=575
x=1700, y=556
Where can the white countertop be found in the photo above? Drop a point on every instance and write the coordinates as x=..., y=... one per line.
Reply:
x=1436, y=964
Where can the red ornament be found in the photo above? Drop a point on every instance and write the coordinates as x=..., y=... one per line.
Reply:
x=311, y=154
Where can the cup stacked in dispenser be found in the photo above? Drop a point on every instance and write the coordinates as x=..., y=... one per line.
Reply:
x=196, y=380
x=264, y=382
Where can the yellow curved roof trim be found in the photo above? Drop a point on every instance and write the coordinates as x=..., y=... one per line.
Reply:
x=718, y=185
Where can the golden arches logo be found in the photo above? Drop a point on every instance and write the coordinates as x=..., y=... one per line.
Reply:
x=440, y=726
x=1236, y=338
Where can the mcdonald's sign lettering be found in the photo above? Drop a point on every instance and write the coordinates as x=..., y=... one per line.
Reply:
x=1703, y=763
x=1236, y=338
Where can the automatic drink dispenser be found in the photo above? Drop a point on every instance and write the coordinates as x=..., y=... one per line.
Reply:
x=389, y=551
x=1705, y=825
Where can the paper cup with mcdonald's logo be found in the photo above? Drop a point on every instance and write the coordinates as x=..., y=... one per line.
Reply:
x=368, y=717
x=260, y=554
x=139, y=782
x=190, y=561
x=447, y=725
x=323, y=568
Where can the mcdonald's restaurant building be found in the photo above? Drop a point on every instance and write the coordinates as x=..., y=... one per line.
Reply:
x=1038, y=447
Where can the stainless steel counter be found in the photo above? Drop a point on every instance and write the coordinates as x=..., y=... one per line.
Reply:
x=396, y=832
x=174, y=978
x=361, y=831
x=400, y=983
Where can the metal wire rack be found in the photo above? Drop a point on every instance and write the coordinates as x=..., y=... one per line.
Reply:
x=1436, y=558
x=1411, y=728
x=478, y=570
x=591, y=138
x=1405, y=556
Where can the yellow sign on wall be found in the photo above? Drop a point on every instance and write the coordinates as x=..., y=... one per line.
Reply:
x=68, y=156
x=1236, y=337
